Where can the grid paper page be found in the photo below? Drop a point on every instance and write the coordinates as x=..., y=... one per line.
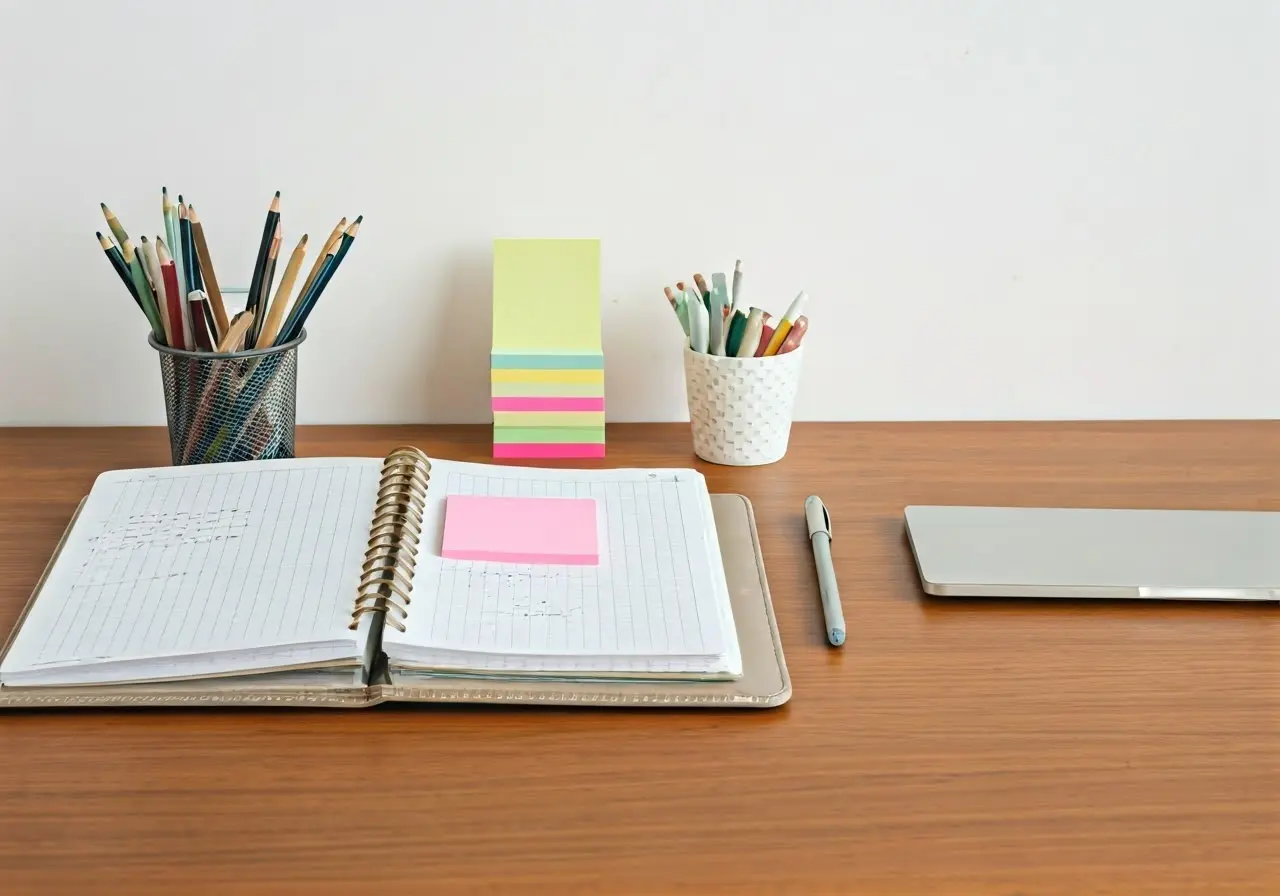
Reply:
x=658, y=592
x=176, y=562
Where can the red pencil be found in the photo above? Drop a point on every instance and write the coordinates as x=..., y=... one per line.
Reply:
x=172, y=295
x=203, y=342
x=766, y=333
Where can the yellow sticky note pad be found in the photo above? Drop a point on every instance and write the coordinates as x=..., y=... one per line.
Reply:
x=549, y=376
x=546, y=295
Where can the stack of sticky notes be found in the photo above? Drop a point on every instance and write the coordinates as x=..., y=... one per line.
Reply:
x=547, y=363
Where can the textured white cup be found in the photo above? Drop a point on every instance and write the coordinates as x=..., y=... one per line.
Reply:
x=740, y=408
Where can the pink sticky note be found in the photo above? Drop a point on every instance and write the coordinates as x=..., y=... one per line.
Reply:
x=521, y=530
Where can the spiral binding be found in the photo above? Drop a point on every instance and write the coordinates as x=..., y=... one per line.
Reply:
x=386, y=579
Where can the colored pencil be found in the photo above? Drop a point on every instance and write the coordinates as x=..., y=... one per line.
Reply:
x=275, y=314
x=186, y=249
x=332, y=241
x=179, y=322
x=264, y=248
x=292, y=331
x=794, y=335
x=183, y=306
x=114, y=224
x=117, y=262
x=143, y=289
x=766, y=333
x=157, y=284
x=703, y=291
x=206, y=273
x=236, y=332
x=784, y=325
x=200, y=320
x=172, y=238
x=268, y=277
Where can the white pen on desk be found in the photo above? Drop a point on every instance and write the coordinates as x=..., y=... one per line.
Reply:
x=819, y=523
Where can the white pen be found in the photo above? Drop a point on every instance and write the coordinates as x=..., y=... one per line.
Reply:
x=819, y=523
x=737, y=286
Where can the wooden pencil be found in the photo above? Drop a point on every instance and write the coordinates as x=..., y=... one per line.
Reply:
x=200, y=321
x=268, y=278
x=179, y=293
x=320, y=259
x=184, y=251
x=114, y=224
x=143, y=288
x=264, y=248
x=206, y=273
x=171, y=238
x=275, y=314
x=301, y=311
x=157, y=284
x=117, y=262
x=236, y=332
x=174, y=300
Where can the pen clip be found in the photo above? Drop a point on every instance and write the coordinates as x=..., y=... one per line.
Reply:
x=816, y=517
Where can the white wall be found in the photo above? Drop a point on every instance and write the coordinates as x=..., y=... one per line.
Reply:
x=1001, y=209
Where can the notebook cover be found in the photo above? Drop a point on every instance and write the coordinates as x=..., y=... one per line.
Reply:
x=764, y=683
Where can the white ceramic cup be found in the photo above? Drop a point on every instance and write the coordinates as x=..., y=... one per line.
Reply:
x=740, y=408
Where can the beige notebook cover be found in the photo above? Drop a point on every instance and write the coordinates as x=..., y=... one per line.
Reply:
x=764, y=682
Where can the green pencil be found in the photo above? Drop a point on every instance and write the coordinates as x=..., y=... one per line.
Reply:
x=143, y=287
x=114, y=224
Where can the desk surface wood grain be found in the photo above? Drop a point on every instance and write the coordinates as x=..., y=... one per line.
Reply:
x=995, y=747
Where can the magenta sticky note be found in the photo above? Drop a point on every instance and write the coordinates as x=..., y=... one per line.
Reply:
x=521, y=530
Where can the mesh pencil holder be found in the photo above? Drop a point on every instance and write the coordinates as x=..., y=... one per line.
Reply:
x=230, y=407
x=740, y=408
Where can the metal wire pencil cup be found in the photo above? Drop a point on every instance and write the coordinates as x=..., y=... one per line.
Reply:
x=230, y=407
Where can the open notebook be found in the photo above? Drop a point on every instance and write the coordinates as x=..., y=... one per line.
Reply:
x=329, y=573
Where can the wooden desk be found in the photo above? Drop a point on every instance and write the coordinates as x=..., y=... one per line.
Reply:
x=969, y=747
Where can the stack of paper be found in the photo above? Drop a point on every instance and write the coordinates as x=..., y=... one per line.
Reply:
x=547, y=363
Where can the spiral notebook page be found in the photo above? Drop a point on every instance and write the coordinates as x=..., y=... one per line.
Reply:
x=657, y=601
x=204, y=570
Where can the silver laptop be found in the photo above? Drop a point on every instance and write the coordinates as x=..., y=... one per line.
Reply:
x=1061, y=552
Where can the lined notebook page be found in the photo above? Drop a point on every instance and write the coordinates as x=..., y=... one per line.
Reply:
x=657, y=601
x=168, y=566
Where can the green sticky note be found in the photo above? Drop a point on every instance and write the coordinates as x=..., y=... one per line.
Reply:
x=555, y=435
x=546, y=295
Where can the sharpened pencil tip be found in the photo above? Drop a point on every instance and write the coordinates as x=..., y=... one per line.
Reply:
x=144, y=239
x=98, y=234
x=277, y=194
x=359, y=218
x=104, y=206
x=179, y=197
